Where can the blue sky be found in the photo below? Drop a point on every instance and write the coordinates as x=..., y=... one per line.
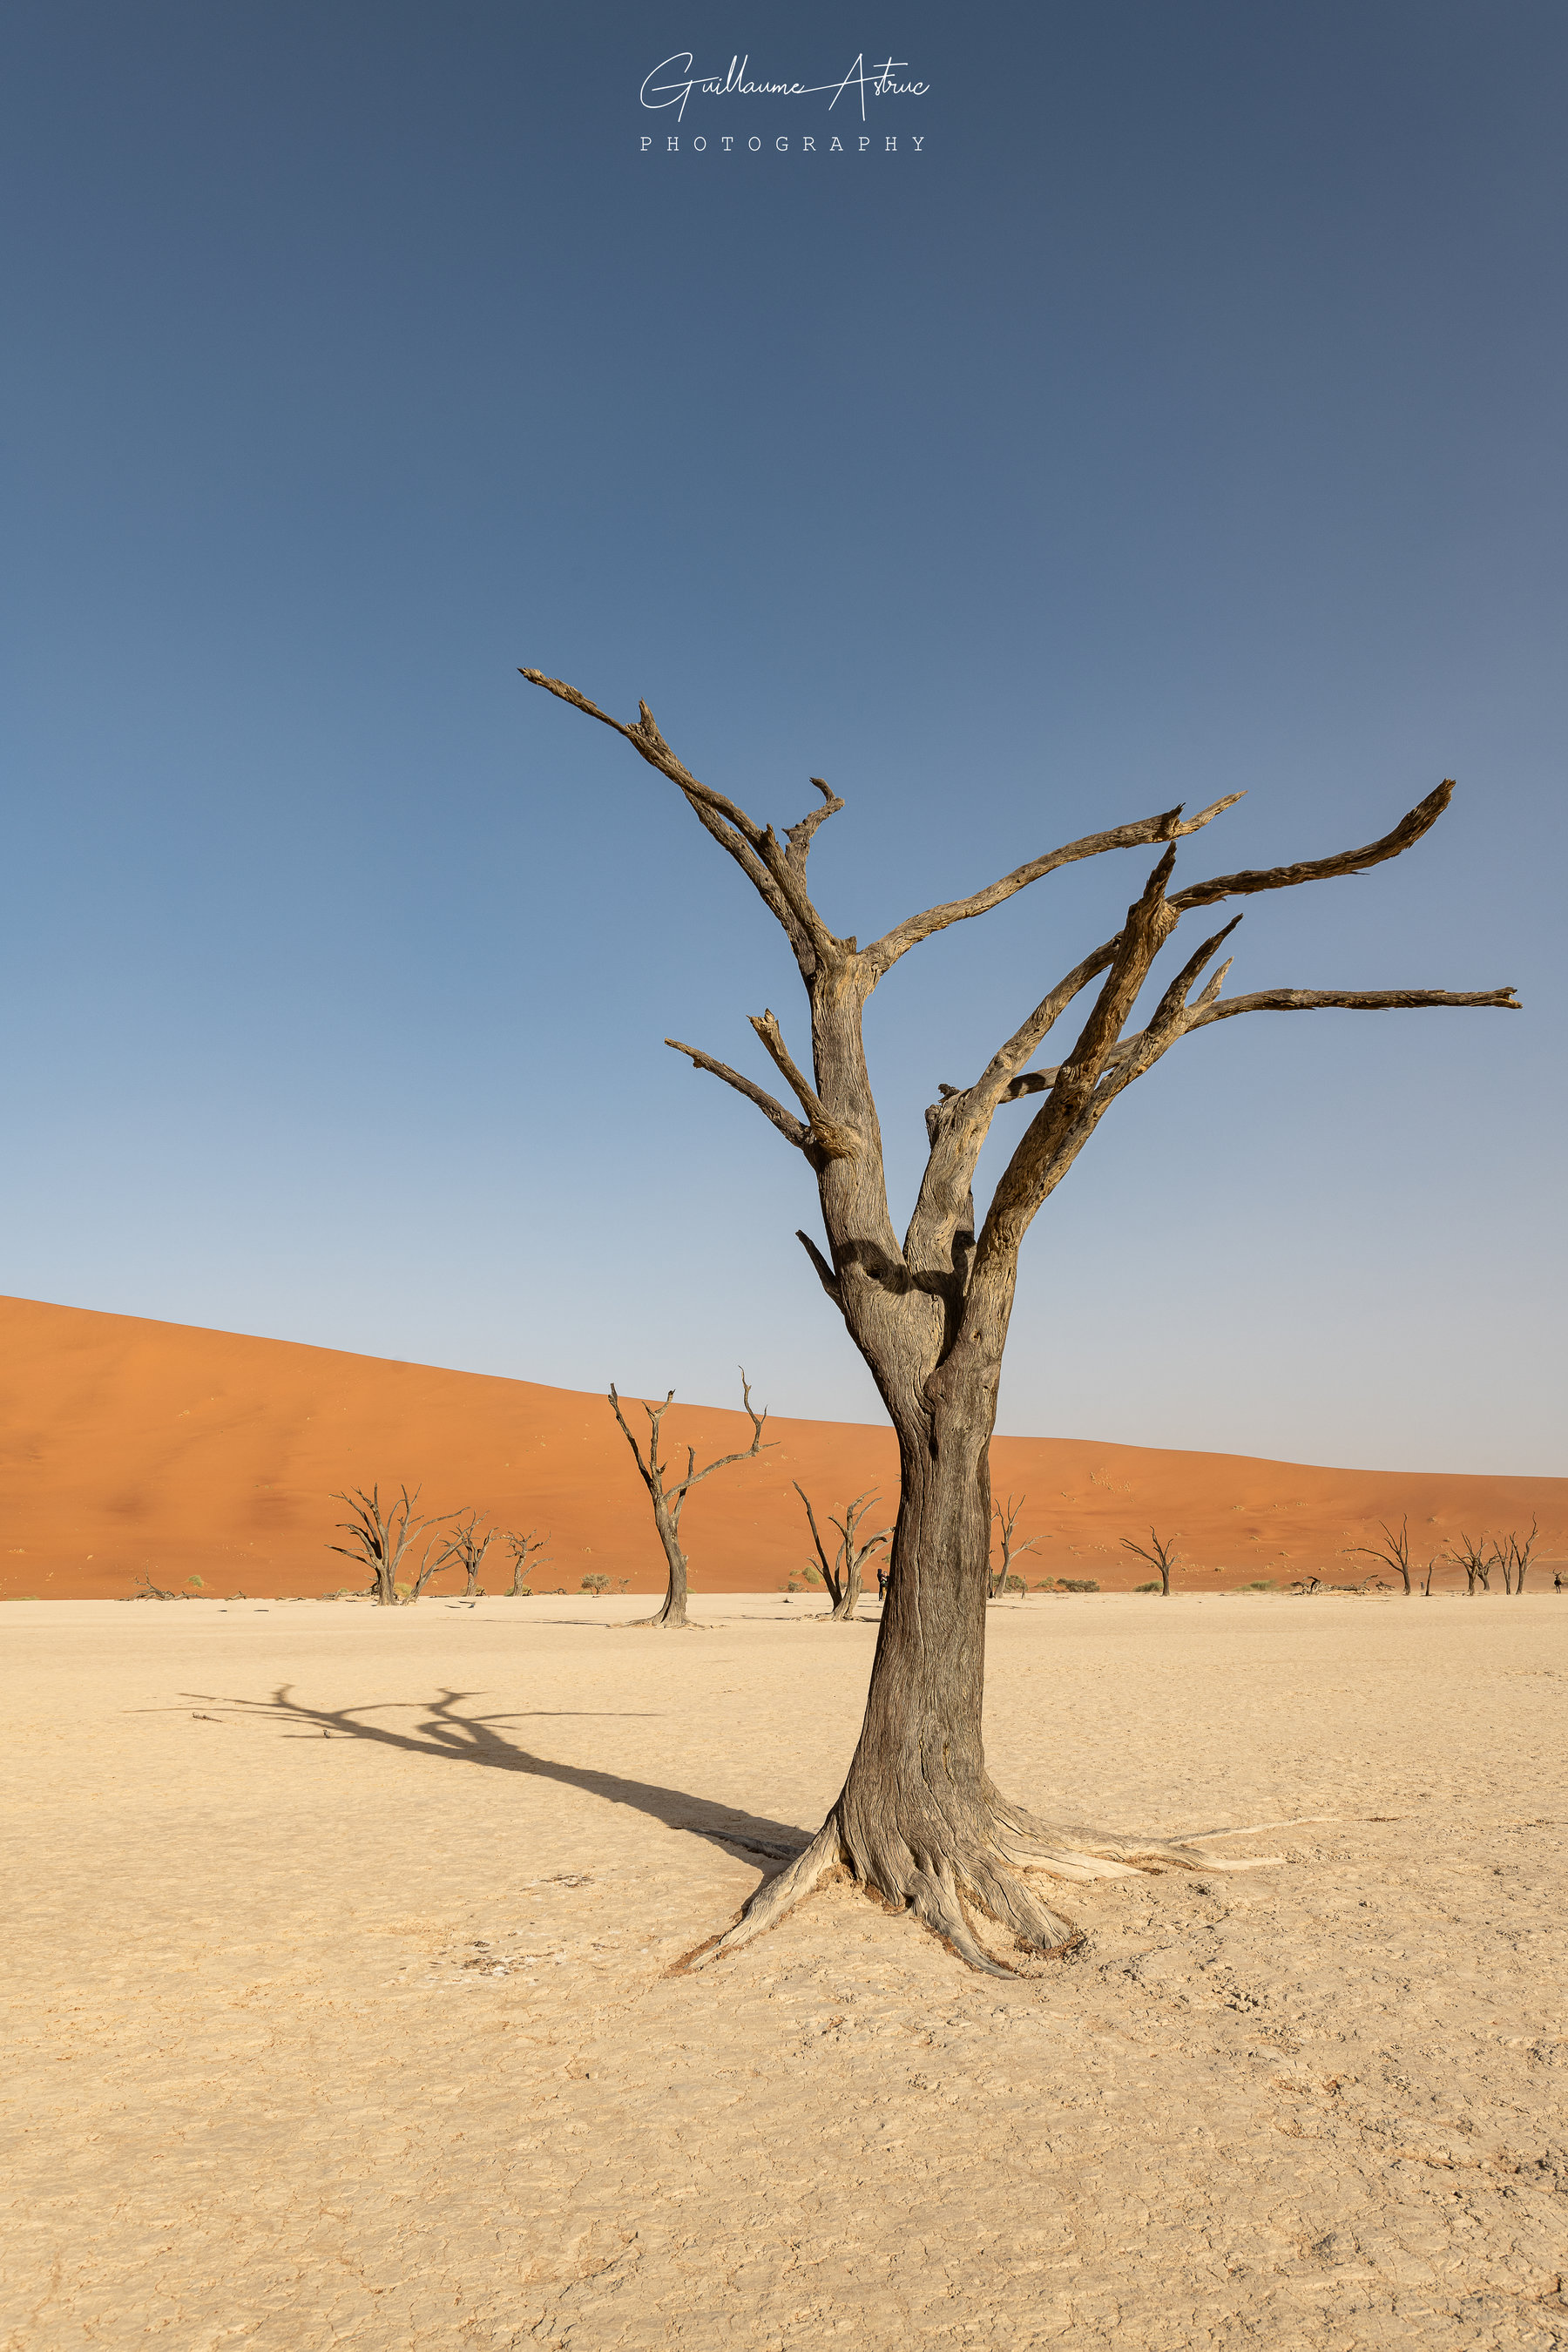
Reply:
x=1185, y=416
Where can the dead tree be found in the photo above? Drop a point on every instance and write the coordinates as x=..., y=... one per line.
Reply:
x=1472, y=1559
x=465, y=1548
x=1162, y=1558
x=1393, y=1551
x=668, y=1501
x=842, y=1574
x=918, y=1818
x=380, y=1540
x=521, y=1547
x=1426, y=1580
x=1006, y=1519
x=1522, y=1555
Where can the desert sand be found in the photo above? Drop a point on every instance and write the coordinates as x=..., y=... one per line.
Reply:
x=340, y=2007
x=140, y=1449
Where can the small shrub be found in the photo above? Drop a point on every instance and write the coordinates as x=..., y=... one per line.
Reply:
x=1262, y=1584
x=1076, y=1585
x=1153, y=1587
x=595, y=1585
x=521, y=1592
x=195, y=1581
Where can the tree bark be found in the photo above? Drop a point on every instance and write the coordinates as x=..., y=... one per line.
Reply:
x=673, y=1610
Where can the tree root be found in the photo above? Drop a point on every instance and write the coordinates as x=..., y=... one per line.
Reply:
x=981, y=1869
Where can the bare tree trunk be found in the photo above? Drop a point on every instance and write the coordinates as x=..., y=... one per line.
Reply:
x=918, y=1817
x=673, y=1609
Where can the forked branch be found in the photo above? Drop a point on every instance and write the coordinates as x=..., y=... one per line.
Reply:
x=883, y=953
x=1285, y=1000
x=694, y=1477
x=655, y=1474
x=778, y=873
x=788, y=1125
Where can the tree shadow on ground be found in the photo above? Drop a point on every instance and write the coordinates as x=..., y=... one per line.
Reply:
x=455, y=1738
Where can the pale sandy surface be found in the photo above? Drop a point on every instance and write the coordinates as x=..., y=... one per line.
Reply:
x=268, y=2085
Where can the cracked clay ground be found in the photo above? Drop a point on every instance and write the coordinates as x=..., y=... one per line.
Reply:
x=368, y=2039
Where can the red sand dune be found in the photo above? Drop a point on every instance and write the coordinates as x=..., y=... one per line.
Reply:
x=134, y=1448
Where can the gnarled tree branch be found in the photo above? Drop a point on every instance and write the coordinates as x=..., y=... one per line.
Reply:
x=830, y=1136
x=778, y=878
x=1285, y=1000
x=825, y=1273
x=1410, y=828
x=1352, y=1000
x=788, y=1125
x=883, y=953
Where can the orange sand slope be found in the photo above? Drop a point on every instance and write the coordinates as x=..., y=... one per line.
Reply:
x=133, y=1448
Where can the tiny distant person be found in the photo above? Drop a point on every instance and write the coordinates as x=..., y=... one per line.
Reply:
x=882, y=1583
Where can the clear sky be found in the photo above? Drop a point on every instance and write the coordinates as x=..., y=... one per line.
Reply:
x=1184, y=415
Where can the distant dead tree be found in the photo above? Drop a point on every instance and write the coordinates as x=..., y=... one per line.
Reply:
x=522, y=1548
x=1472, y=1559
x=841, y=1575
x=1513, y=1558
x=918, y=1819
x=1523, y=1554
x=1006, y=1519
x=668, y=1501
x=1162, y=1558
x=465, y=1548
x=379, y=1540
x=1426, y=1580
x=1393, y=1551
